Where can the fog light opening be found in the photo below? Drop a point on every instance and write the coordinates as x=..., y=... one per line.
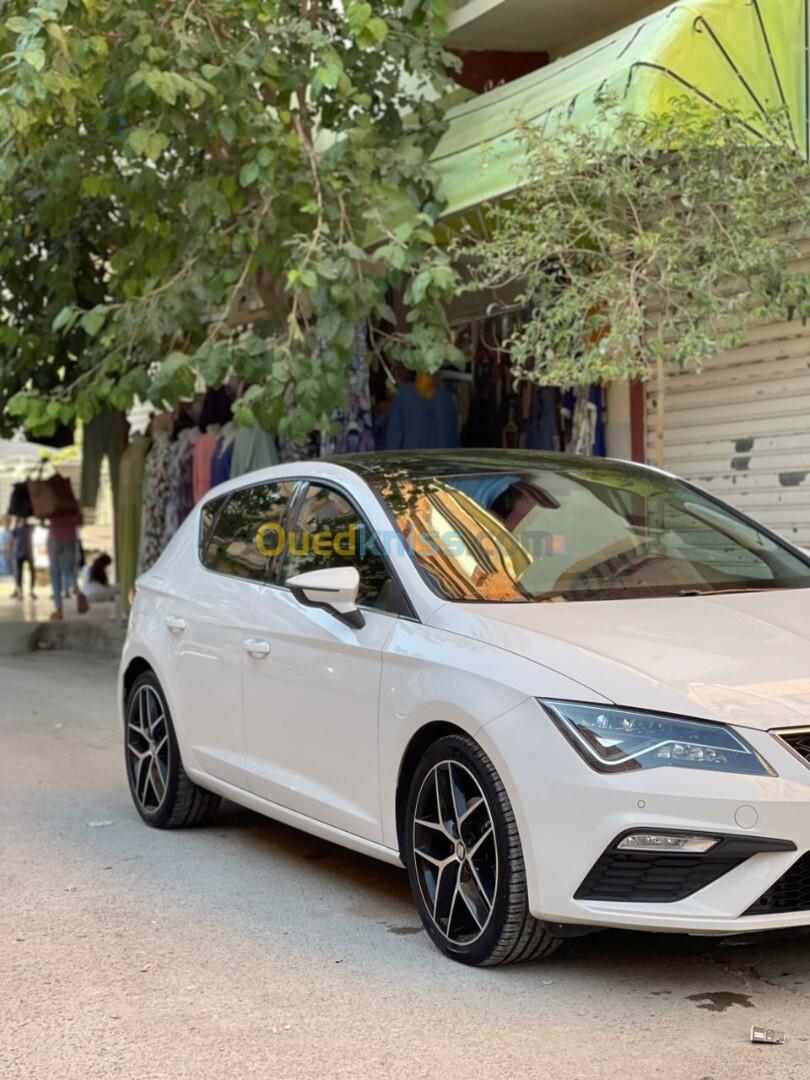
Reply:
x=652, y=841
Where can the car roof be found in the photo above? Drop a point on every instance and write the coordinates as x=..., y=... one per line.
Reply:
x=436, y=463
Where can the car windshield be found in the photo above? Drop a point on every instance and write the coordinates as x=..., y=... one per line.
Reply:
x=579, y=530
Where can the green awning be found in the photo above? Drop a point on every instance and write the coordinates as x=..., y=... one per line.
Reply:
x=749, y=55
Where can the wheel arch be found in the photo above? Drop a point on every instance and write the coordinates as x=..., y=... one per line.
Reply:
x=136, y=667
x=419, y=742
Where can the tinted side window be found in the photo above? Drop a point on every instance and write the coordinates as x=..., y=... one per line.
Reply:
x=245, y=538
x=329, y=532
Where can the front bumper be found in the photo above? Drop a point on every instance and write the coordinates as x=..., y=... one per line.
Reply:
x=568, y=815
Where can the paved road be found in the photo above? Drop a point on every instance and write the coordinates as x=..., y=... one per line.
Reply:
x=250, y=950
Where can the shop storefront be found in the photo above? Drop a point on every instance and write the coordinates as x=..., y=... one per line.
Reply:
x=740, y=428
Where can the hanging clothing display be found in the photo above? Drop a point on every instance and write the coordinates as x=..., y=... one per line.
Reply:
x=488, y=412
x=222, y=456
x=201, y=463
x=417, y=422
x=542, y=417
x=181, y=448
x=130, y=494
x=354, y=423
x=101, y=437
x=583, y=411
x=253, y=449
x=186, y=478
x=156, y=493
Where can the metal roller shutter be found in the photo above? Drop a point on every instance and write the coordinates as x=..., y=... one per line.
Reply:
x=741, y=428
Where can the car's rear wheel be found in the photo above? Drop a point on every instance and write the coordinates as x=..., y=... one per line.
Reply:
x=162, y=792
x=465, y=861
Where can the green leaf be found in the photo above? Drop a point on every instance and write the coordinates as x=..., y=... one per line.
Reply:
x=19, y=25
x=227, y=128
x=138, y=139
x=249, y=174
x=330, y=70
x=92, y=321
x=156, y=144
x=251, y=393
x=35, y=57
x=378, y=28
x=66, y=317
x=172, y=364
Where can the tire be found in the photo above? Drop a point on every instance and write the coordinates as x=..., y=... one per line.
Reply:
x=479, y=915
x=161, y=791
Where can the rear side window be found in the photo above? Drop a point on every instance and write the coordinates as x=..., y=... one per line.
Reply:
x=243, y=539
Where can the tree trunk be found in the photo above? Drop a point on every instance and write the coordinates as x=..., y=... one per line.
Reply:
x=660, y=407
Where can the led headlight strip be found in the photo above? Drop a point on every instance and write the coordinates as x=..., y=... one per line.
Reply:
x=618, y=740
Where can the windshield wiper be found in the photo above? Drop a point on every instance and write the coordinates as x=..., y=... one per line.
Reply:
x=727, y=592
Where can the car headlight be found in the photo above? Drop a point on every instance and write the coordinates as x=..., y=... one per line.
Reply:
x=618, y=740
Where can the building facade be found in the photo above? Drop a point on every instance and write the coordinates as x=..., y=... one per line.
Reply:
x=741, y=427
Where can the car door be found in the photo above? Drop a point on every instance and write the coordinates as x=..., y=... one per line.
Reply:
x=312, y=701
x=208, y=628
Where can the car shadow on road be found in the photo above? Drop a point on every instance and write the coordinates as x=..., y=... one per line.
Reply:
x=662, y=963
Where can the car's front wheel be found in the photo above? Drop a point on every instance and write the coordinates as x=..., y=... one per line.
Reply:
x=162, y=792
x=465, y=861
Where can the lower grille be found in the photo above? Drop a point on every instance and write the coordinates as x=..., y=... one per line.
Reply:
x=790, y=893
x=664, y=877
x=653, y=877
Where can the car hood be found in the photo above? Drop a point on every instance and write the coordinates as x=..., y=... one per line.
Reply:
x=741, y=658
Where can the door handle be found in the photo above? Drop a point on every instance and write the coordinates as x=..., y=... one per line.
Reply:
x=258, y=649
x=175, y=623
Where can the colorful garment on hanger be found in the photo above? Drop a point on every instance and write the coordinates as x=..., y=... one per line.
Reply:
x=543, y=420
x=201, y=464
x=181, y=449
x=354, y=423
x=253, y=449
x=156, y=494
x=221, y=460
x=422, y=423
x=584, y=411
x=187, y=479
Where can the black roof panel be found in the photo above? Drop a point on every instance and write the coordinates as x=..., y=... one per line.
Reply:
x=435, y=463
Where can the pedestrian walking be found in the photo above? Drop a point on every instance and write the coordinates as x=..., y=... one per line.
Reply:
x=63, y=536
x=21, y=553
x=6, y=566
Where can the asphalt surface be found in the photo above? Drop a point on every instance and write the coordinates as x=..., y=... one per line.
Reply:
x=248, y=949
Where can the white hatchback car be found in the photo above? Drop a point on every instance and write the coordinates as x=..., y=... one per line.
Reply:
x=565, y=693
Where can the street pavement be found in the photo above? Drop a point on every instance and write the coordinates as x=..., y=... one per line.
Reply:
x=247, y=949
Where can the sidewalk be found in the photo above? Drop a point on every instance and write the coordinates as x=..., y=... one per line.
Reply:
x=25, y=626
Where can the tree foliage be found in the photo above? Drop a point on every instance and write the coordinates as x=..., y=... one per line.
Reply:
x=645, y=243
x=160, y=161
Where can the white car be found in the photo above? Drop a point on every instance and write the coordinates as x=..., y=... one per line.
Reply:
x=565, y=693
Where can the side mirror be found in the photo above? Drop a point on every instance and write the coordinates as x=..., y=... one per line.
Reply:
x=335, y=590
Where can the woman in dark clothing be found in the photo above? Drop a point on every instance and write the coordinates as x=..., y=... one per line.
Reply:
x=22, y=552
